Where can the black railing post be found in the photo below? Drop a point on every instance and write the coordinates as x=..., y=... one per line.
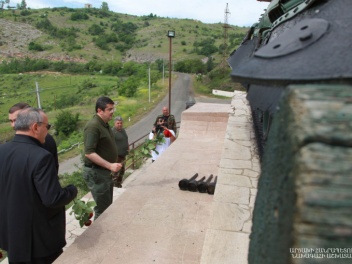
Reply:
x=133, y=161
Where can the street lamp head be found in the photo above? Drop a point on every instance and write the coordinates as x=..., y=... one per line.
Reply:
x=171, y=33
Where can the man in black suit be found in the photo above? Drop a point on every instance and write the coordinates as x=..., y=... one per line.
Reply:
x=49, y=145
x=32, y=226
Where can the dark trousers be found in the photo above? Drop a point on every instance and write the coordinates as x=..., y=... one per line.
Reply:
x=45, y=260
x=100, y=184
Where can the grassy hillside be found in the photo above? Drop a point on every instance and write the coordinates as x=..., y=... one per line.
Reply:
x=141, y=39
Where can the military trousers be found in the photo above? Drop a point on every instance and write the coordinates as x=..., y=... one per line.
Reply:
x=100, y=184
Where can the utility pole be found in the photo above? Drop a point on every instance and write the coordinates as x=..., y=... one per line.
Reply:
x=225, y=42
x=171, y=35
x=38, y=95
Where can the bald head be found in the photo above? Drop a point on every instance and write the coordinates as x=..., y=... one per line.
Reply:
x=165, y=111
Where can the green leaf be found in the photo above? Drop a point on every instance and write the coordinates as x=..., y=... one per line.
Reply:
x=91, y=204
x=151, y=146
x=79, y=211
x=75, y=207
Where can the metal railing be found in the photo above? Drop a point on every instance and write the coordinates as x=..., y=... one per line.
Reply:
x=131, y=160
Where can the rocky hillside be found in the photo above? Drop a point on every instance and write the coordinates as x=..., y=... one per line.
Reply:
x=15, y=37
x=71, y=35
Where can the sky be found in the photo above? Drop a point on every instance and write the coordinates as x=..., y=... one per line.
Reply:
x=241, y=12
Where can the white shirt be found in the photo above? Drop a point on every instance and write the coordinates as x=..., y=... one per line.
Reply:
x=160, y=148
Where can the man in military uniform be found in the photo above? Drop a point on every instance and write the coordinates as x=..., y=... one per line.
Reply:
x=100, y=155
x=121, y=140
x=169, y=120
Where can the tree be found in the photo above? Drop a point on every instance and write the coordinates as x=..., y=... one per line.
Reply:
x=210, y=64
x=105, y=6
x=129, y=87
x=23, y=5
x=190, y=66
x=112, y=67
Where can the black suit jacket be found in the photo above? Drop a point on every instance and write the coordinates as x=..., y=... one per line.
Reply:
x=50, y=145
x=32, y=221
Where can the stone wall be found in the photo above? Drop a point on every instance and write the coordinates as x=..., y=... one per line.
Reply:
x=304, y=199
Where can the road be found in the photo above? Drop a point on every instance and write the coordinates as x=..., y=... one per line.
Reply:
x=180, y=93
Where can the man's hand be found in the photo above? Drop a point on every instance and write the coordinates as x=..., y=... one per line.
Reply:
x=115, y=167
x=96, y=159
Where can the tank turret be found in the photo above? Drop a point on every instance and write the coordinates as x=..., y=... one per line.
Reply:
x=294, y=42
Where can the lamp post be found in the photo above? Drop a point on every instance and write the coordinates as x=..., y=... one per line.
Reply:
x=170, y=34
x=149, y=82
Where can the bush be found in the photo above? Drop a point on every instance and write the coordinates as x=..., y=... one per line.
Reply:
x=66, y=123
x=79, y=16
x=35, y=46
x=95, y=30
x=77, y=180
x=25, y=12
x=66, y=100
x=190, y=66
x=129, y=87
x=86, y=85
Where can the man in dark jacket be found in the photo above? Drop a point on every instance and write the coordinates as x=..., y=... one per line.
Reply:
x=121, y=140
x=32, y=226
x=49, y=145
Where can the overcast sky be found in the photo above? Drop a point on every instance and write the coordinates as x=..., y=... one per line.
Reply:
x=242, y=12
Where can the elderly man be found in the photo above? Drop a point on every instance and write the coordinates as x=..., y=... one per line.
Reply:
x=121, y=140
x=169, y=120
x=100, y=155
x=32, y=225
x=49, y=144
